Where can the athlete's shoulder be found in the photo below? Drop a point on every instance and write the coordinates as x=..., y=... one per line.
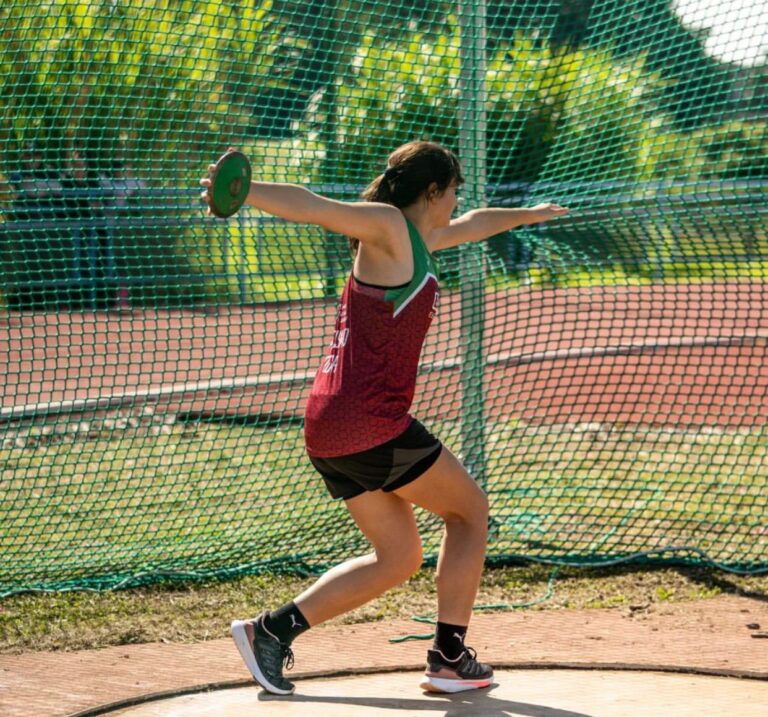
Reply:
x=394, y=232
x=394, y=218
x=369, y=222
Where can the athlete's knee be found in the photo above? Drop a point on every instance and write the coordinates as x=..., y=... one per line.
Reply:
x=411, y=557
x=471, y=514
x=412, y=560
x=403, y=558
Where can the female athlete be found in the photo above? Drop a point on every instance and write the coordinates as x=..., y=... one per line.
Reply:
x=359, y=433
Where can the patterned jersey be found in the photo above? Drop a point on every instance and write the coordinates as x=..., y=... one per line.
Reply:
x=364, y=387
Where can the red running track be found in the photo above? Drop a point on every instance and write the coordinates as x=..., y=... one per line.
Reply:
x=660, y=354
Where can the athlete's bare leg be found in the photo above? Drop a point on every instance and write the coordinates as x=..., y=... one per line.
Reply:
x=387, y=520
x=389, y=524
x=449, y=491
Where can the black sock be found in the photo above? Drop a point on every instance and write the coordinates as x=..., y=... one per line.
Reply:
x=449, y=639
x=286, y=623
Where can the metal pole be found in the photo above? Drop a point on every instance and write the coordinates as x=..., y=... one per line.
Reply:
x=331, y=41
x=242, y=264
x=472, y=152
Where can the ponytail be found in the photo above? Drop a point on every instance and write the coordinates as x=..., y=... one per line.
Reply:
x=380, y=189
x=411, y=170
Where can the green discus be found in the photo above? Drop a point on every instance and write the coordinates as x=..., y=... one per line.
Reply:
x=231, y=182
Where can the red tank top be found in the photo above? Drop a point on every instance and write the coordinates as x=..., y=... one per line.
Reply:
x=364, y=387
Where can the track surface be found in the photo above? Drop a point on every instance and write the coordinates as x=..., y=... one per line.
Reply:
x=665, y=355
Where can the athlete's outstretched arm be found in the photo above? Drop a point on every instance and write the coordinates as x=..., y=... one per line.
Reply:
x=366, y=221
x=479, y=224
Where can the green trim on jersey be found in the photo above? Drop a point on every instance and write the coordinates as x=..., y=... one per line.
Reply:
x=424, y=267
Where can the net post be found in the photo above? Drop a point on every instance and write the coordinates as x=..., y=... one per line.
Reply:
x=331, y=41
x=472, y=152
x=242, y=260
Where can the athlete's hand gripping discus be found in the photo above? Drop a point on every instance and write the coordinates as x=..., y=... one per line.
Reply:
x=230, y=180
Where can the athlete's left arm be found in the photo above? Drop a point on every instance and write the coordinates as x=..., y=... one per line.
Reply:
x=479, y=224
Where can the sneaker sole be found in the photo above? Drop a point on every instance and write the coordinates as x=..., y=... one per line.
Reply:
x=442, y=684
x=237, y=628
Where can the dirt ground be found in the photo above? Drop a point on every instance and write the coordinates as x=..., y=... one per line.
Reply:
x=725, y=635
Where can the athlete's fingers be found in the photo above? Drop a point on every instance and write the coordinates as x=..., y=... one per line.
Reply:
x=206, y=197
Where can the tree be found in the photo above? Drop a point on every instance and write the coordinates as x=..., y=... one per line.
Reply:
x=159, y=85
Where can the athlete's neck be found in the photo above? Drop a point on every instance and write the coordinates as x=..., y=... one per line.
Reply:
x=419, y=215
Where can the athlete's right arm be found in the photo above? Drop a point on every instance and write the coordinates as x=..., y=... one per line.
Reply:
x=366, y=221
x=370, y=222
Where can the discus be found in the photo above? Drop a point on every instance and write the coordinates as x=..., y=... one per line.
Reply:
x=230, y=184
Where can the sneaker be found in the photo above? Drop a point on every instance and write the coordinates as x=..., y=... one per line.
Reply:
x=463, y=673
x=263, y=654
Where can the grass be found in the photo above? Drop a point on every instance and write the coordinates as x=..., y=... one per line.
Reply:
x=102, y=505
x=203, y=611
x=199, y=498
x=606, y=489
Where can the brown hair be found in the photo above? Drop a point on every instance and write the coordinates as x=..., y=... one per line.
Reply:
x=411, y=170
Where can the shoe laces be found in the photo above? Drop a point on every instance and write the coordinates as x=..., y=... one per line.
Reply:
x=287, y=656
x=471, y=666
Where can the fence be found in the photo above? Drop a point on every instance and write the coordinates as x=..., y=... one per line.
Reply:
x=600, y=376
x=596, y=205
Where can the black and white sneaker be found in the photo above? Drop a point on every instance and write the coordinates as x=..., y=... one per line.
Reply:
x=463, y=673
x=263, y=654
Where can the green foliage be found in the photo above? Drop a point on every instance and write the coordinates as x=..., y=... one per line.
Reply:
x=157, y=82
x=698, y=89
x=398, y=91
x=581, y=115
x=609, y=106
x=731, y=150
x=158, y=85
x=525, y=104
x=540, y=106
x=165, y=85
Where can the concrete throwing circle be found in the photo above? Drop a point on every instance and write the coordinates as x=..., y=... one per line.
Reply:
x=517, y=693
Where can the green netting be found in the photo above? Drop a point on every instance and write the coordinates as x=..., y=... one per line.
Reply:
x=603, y=376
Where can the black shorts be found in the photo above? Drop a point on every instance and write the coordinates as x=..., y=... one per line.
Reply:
x=386, y=467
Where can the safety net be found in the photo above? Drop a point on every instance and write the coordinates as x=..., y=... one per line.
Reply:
x=602, y=376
